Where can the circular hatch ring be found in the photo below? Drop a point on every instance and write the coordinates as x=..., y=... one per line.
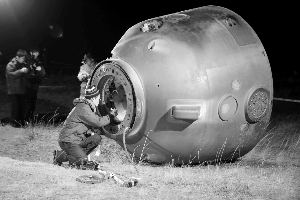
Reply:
x=116, y=91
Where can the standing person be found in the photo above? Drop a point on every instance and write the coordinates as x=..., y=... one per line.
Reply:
x=76, y=138
x=85, y=72
x=16, y=87
x=33, y=80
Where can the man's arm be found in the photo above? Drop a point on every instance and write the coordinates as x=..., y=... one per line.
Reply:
x=10, y=72
x=88, y=117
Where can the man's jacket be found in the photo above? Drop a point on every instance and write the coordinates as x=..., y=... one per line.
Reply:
x=15, y=79
x=80, y=121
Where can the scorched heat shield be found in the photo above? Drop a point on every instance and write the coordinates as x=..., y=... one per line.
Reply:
x=189, y=87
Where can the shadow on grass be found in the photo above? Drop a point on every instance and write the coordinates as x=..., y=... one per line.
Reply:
x=46, y=112
x=41, y=118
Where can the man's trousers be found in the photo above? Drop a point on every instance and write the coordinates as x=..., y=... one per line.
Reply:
x=31, y=97
x=17, y=109
x=78, y=153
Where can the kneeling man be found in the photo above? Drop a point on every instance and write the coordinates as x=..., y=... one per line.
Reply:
x=75, y=138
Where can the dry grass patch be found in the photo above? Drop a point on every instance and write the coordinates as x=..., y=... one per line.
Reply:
x=280, y=146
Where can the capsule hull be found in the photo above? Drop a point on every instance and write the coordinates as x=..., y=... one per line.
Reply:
x=190, y=87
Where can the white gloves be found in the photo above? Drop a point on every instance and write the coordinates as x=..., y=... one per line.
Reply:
x=24, y=70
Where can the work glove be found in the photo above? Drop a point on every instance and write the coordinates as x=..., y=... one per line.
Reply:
x=113, y=112
x=113, y=117
x=24, y=70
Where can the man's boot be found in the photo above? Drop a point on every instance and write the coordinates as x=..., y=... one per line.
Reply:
x=92, y=165
x=59, y=156
x=85, y=165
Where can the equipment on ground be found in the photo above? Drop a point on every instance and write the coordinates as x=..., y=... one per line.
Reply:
x=105, y=175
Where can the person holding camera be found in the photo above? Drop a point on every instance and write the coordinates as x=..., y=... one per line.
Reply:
x=33, y=80
x=15, y=73
x=80, y=134
x=89, y=64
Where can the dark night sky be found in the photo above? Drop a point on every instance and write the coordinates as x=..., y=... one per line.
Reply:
x=93, y=25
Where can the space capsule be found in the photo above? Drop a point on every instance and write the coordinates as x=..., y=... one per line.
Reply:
x=189, y=87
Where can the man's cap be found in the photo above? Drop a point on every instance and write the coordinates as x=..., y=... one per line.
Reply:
x=91, y=92
x=88, y=56
x=21, y=53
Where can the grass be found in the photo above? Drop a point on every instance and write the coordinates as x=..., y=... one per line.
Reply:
x=280, y=146
x=27, y=172
x=269, y=171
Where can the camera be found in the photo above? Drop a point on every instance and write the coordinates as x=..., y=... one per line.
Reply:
x=31, y=63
